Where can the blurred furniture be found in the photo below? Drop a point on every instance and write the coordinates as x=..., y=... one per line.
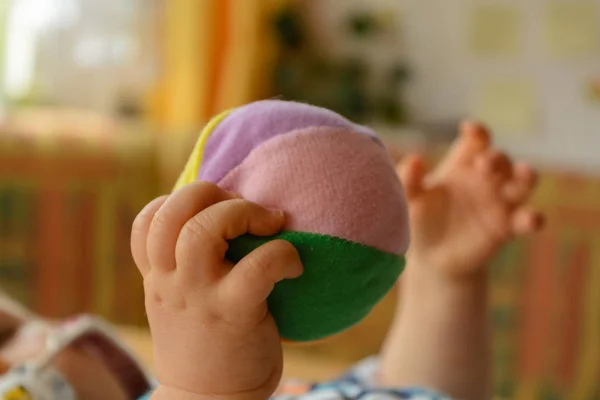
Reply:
x=68, y=195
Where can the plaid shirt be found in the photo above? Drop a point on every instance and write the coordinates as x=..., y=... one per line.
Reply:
x=357, y=384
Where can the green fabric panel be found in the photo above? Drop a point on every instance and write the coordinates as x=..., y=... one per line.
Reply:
x=342, y=282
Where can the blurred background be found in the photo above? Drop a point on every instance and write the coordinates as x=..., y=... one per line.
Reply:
x=101, y=100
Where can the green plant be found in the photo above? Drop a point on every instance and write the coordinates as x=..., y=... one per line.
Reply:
x=342, y=85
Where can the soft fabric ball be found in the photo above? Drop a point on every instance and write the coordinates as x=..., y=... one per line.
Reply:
x=345, y=207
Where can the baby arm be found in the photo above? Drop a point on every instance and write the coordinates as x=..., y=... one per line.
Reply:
x=461, y=214
x=213, y=335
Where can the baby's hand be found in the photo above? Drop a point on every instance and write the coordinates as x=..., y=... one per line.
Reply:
x=213, y=335
x=466, y=209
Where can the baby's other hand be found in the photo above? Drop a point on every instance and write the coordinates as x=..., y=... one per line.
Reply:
x=213, y=335
x=466, y=209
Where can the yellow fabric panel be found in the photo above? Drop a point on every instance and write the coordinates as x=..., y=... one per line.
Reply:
x=190, y=172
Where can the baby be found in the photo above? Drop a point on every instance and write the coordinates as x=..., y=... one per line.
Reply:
x=213, y=335
x=215, y=339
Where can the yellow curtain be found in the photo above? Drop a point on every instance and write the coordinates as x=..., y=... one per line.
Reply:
x=217, y=55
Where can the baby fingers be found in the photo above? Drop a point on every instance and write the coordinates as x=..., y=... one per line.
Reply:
x=244, y=291
x=525, y=221
x=202, y=244
x=495, y=165
x=412, y=172
x=173, y=214
x=518, y=190
x=139, y=234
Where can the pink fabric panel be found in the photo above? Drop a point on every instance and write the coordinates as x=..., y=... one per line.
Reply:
x=329, y=181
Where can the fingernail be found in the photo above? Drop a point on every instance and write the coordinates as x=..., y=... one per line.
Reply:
x=278, y=213
x=295, y=270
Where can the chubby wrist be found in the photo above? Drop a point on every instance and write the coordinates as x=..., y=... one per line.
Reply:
x=425, y=282
x=424, y=271
x=164, y=392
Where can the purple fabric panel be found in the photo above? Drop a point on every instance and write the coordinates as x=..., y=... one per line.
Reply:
x=249, y=126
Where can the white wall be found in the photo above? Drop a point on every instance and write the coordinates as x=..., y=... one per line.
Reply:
x=432, y=33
